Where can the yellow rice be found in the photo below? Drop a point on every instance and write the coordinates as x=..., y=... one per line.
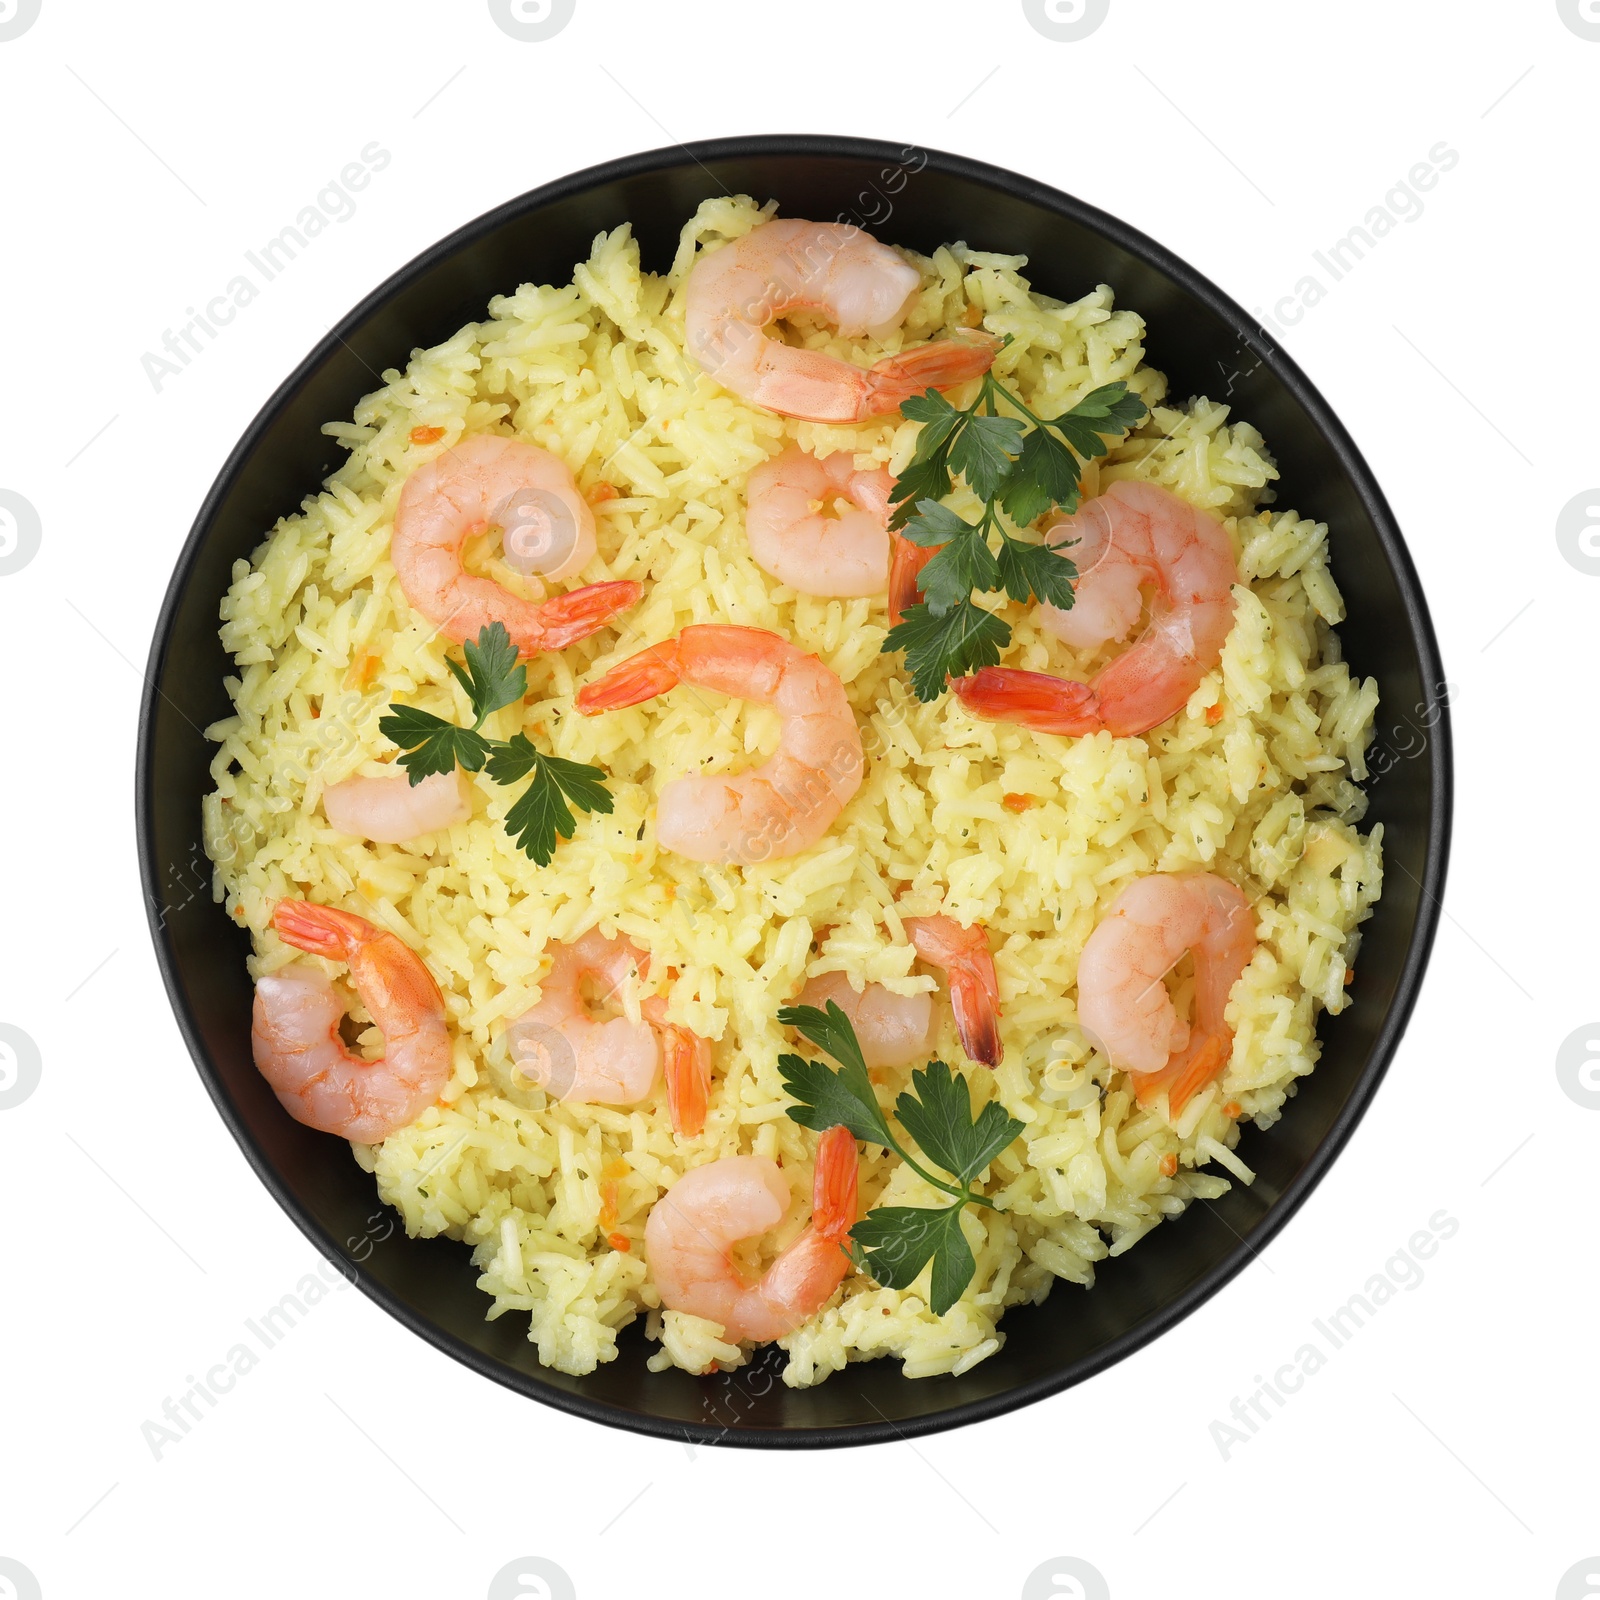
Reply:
x=1265, y=794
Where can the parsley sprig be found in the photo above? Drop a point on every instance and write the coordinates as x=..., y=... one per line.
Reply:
x=493, y=677
x=1020, y=467
x=892, y=1244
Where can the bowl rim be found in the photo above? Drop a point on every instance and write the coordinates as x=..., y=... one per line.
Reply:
x=1253, y=336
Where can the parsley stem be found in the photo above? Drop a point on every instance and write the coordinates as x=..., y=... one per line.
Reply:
x=960, y=1191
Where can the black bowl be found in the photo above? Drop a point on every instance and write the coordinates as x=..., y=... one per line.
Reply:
x=1207, y=344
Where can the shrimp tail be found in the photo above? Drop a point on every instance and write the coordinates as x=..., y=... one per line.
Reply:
x=1186, y=1074
x=940, y=365
x=1036, y=700
x=320, y=930
x=905, y=562
x=640, y=677
x=969, y=970
x=687, y=1062
x=977, y=1022
x=567, y=618
x=833, y=1188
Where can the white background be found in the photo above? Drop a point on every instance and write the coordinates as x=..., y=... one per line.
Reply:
x=1447, y=1448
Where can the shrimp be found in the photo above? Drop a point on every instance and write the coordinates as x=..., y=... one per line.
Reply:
x=294, y=1032
x=906, y=560
x=818, y=552
x=392, y=810
x=547, y=527
x=969, y=969
x=566, y=1050
x=1133, y=534
x=788, y=802
x=892, y=1029
x=582, y=1060
x=1123, y=1001
x=861, y=286
x=692, y=1227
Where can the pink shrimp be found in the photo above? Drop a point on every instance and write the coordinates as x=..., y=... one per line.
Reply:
x=693, y=1226
x=861, y=286
x=581, y=1058
x=785, y=804
x=392, y=809
x=819, y=552
x=892, y=1029
x=906, y=560
x=294, y=1032
x=964, y=955
x=1133, y=534
x=547, y=527
x=1123, y=1000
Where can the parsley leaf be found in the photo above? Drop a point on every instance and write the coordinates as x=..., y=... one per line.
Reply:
x=938, y=417
x=1035, y=569
x=583, y=785
x=937, y=1112
x=937, y=647
x=894, y=1243
x=430, y=744
x=541, y=815
x=964, y=564
x=831, y=1030
x=982, y=452
x=1110, y=409
x=1020, y=467
x=491, y=678
x=538, y=818
x=1046, y=476
x=934, y=524
x=829, y=1099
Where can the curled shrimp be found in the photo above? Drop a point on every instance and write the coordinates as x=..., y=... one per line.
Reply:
x=391, y=810
x=580, y=1058
x=547, y=527
x=785, y=804
x=294, y=1031
x=1123, y=1000
x=968, y=966
x=892, y=1029
x=861, y=286
x=694, y=1225
x=817, y=551
x=1134, y=534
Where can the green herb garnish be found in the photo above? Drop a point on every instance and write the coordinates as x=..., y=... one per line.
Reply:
x=1020, y=469
x=492, y=677
x=892, y=1244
